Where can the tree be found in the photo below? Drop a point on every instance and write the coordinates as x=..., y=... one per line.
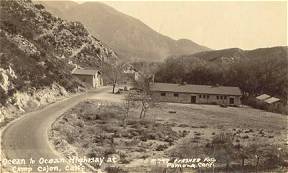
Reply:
x=3, y=97
x=145, y=72
x=256, y=151
x=145, y=104
x=144, y=96
x=223, y=148
x=112, y=73
x=128, y=103
x=243, y=154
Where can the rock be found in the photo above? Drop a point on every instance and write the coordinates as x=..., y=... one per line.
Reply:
x=203, y=126
x=183, y=125
x=245, y=137
x=197, y=134
x=248, y=131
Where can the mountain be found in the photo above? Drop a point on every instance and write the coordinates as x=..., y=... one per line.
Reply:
x=129, y=37
x=263, y=70
x=225, y=57
x=39, y=50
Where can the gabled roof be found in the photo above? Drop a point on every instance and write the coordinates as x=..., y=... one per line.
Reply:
x=205, y=89
x=267, y=98
x=271, y=100
x=263, y=97
x=85, y=72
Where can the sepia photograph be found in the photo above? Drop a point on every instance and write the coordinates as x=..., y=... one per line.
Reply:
x=128, y=86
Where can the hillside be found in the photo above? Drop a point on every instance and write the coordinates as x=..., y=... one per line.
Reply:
x=256, y=71
x=129, y=37
x=236, y=53
x=38, y=52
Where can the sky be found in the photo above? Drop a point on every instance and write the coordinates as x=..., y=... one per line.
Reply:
x=217, y=25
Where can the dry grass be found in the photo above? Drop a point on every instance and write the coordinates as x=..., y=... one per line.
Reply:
x=247, y=128
x=97, y=130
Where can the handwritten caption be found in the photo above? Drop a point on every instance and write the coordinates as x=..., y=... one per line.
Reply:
x=76, y=164
x=207, y=162
x=72, y=164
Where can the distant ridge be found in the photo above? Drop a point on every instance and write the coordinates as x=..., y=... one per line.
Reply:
x=129, y=37
x=258, y=71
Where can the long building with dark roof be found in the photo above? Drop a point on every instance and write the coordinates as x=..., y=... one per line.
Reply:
x=203, y=94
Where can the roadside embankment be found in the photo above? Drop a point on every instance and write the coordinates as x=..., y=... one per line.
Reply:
x=22, y=102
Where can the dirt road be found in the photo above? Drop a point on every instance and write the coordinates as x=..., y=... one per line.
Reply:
x=27, y=137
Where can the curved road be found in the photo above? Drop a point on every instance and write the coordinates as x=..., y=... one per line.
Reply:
x=28, y=137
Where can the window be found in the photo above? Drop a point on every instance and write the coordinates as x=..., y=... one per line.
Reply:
x=217, y=97
x=207, y=96
x=221, y=97
x=204, y=96
x=163, y=94
x=176, y=94
x=200, y=96
x=225, y=97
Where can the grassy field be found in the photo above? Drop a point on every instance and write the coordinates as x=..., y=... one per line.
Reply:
x=230, y=135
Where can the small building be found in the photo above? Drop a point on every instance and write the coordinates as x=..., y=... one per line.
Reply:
x=272, y=103
x=201, y=94
x=92, y=77
x=271, y=100
x=268, y=102
x=263, y=97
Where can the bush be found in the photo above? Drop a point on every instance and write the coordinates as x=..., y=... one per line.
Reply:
x=79, y=123
x=69, y=136
x=109, y=151
x=39, y=6
x=92, y=155
x=3, y=97
x=222, y=138
x=115, y=170
x=161, y=147
x=273, y=156
x=70, y=139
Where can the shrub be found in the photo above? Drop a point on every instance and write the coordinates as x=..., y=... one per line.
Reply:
x=123, y=158
x=157, y=169
x=70, y=139
x=79, y=123
x=222, y=138
x=92, y=155
x=69, y=136
x=115, y=170
x=56, y=128
x=161, y=147
x=183, y=125
x=39, y=6
x=203, y=126
x=124, y=161
x=3, y=97
x=110, y=150
x=85, y=145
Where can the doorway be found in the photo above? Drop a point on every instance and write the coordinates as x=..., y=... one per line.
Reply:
x=193, y=99
x=231, y=101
